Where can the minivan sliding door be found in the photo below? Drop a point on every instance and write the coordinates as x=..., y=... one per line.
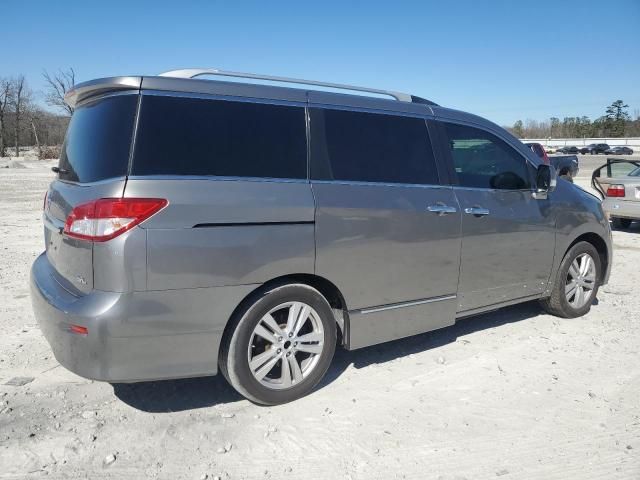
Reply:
x=387, y=232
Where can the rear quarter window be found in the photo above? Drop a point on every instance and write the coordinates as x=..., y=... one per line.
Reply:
x=206, y=137
x=98, y=140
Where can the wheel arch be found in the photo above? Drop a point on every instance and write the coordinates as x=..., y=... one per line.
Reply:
x=327, y=289
x=601, y=247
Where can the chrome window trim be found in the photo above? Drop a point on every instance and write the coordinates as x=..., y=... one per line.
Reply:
x=522, y=190
x=397, y=113
x=382, y=184
x=412, y=303
x=216, y=178
x=219, y=97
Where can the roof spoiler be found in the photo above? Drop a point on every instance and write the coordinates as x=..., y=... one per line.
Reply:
x=92, y=88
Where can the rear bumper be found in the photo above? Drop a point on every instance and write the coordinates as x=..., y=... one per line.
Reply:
x=135, y=336
x=622, y=209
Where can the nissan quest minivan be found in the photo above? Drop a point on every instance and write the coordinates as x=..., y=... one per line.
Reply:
x=204, y=225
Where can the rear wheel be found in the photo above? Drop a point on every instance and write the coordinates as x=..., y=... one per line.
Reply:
x=576, y=284
x=621, y=222
x=279, y=345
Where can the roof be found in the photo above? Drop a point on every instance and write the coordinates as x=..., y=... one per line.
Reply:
x=185, y=81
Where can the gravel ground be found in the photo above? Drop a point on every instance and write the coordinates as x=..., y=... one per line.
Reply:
x=510, y=394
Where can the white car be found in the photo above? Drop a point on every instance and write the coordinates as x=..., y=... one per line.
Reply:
x=618, y=182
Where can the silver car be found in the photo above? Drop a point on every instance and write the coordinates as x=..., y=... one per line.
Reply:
x=618, y=182
x=204, y=225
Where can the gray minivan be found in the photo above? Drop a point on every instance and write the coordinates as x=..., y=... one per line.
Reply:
x=205, y=224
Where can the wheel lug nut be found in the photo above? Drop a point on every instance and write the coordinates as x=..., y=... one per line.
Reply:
x=290, y=334
x=279, y=339
x=295, y=344
x=279, y=350
x=288, y=354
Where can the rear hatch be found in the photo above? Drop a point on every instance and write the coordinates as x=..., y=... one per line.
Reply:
x=93, y=164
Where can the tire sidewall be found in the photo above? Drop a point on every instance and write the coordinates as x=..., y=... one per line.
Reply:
x=238, y=372
x=577, y=249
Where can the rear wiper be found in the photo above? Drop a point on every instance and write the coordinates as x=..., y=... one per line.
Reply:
x=59, y=171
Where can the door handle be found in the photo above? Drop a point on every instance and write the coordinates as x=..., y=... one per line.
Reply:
x=477, y=211
x=441, y=209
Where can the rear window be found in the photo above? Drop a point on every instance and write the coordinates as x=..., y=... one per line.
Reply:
x=370, y=147
x=98, y=140
x=192, y=136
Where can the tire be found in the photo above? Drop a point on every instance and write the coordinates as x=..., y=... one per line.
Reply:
x=558, y=304
x=621, y=223
x=241, y=344
x=593, y=152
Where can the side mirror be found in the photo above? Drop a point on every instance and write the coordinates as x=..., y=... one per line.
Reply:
x=546, y=180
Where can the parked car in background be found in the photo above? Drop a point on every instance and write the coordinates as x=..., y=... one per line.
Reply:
x=620, y=150
x=594, y=148
x=201, y=226
x=549, y=149
x=618, y=183
x=567, y=166
x=572, y=149
x=540, y=151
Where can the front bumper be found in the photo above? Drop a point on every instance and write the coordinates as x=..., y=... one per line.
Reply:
x=135, y=336
x=622, y=208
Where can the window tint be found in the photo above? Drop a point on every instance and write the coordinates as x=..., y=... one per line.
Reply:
x=482, y=160
x=190, y=136
x=370, y=147
x=98, y=140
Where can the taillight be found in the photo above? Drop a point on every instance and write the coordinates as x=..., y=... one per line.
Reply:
x=615, y=191
x=104, y=219
x=545, y=157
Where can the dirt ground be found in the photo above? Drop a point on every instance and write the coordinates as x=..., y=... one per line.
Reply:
x=510, y=394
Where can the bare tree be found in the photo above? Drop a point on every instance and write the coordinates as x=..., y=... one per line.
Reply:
x=57, y=86
x=6, y=91
x=19, y=91
x=34, y=118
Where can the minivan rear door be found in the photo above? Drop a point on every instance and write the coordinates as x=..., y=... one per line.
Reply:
x=387, y=232
x=93, y=164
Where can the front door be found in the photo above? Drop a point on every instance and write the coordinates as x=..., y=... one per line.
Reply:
x=508, y=237
x=387, y=233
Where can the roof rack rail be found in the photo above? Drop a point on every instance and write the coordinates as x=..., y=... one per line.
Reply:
x=196, y=72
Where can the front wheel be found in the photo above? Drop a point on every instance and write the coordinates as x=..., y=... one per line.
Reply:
x=576, y=284
x=279, y=344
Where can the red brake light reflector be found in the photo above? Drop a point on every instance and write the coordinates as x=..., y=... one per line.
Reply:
x=106, y=218
x=615, y=191
x=78, y=329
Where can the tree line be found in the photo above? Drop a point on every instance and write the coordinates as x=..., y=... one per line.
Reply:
x=23, y=122
x=616, y=122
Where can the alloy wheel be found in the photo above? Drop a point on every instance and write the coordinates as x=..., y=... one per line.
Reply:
x=581, y=280
x=286, y=345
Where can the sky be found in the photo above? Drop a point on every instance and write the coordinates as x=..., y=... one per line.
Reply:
x=504, y=60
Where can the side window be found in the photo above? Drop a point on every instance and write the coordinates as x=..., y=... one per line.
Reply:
x=191, y=136
x=370, y=147
x=482, y=160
